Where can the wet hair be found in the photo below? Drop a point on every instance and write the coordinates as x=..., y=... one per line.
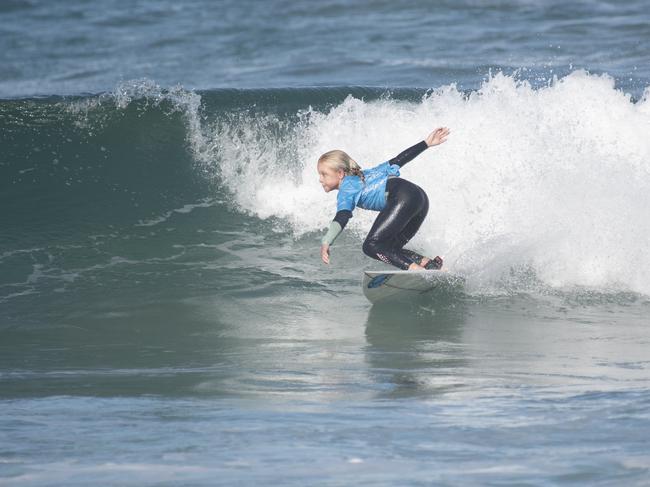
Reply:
x=340, y=160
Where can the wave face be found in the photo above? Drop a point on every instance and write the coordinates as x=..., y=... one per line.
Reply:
x=536, y=186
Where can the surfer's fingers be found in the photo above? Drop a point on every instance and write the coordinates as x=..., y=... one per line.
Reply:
x=324, y=255
x=438, y=136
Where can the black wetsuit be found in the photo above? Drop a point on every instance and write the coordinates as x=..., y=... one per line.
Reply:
x=406, y=207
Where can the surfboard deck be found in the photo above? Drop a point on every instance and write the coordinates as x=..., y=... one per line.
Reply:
x=384, y=286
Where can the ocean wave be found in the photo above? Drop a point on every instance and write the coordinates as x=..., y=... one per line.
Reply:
x=552, y=179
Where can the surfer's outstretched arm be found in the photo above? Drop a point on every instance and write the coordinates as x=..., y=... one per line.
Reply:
x=437, y=137
x=336, y=227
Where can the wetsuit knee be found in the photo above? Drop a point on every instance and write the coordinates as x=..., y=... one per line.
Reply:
x=383, y=252
x=371, y=247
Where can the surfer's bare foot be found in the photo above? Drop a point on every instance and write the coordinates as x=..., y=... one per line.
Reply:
x=415, y=267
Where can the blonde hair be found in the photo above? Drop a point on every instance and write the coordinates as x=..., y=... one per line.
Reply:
x=340, y=160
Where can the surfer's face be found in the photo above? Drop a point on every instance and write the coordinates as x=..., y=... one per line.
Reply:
x=329, y=177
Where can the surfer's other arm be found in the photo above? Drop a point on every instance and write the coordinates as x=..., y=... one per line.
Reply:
x=336, y=227
x=437, y=137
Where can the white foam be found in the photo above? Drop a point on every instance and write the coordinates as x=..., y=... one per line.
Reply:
x=556, y=178
x=205, y=203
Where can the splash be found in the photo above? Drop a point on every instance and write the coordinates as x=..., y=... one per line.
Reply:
x=553, y=179
x=535, y=187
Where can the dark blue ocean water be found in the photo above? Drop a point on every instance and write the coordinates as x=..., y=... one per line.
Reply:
x=164, y=315
x=81, y=46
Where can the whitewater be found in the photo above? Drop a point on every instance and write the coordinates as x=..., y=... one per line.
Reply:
x=554, y=179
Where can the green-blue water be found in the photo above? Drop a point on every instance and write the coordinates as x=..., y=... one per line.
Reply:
x=164, y=315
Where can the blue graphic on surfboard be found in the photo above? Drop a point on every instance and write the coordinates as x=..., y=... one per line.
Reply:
x=386, y=286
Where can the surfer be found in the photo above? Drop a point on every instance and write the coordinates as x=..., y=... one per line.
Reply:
x=402, y=205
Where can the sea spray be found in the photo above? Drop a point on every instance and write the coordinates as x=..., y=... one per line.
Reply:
x=554, y=178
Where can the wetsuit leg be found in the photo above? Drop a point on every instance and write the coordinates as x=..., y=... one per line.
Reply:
x=406, y=207
x=414, y=224
x=411, y=229
x=414, y=256
x=433, y=264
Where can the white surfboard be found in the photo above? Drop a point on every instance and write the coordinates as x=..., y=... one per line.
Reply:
x=394, y=285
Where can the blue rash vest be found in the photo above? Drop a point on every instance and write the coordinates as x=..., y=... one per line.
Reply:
x=369, y=195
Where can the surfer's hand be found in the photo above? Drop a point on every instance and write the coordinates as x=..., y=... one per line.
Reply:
x=325, y=253
x=437, y=137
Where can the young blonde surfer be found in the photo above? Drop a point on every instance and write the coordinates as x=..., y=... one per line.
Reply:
x=402, y=205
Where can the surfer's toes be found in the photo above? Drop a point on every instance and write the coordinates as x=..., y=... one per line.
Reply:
x=434, y=264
